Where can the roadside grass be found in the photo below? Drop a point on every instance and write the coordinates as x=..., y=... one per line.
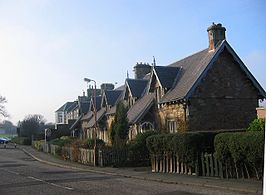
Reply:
x=7, y=136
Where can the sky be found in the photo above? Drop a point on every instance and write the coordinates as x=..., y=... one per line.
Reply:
x=47, y=47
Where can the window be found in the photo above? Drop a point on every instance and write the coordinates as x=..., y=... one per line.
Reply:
x=59, y=117
x=171, y=126
x=146, y=126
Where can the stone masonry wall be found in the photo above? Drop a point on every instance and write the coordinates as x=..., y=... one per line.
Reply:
x=171, y=111
x=226, y=98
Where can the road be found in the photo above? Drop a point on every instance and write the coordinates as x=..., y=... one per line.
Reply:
x=21, y=174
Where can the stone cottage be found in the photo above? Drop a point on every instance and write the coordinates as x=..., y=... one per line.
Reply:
x=209, y=90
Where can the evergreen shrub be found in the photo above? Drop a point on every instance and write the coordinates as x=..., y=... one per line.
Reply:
x=241, y=150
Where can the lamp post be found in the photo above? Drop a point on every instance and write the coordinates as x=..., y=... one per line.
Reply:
x=264, y=170
x=95, y=116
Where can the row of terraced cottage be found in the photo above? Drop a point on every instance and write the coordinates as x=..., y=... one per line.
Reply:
x=207, y=91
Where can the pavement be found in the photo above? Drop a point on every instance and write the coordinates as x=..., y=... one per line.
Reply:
x=242, y=186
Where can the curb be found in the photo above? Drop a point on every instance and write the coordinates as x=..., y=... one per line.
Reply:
x=143, y=178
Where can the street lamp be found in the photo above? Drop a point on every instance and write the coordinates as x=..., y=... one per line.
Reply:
x=95, y=115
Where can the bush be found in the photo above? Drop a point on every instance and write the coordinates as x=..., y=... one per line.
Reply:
x=240, y=150
x=38, y=145
x=62, y=141
x=99, y=143
x=257, y=125
x=138, y=153
x=187, y=146
x=21, y=140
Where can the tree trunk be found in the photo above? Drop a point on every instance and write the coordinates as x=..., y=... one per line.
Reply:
x=247, y=171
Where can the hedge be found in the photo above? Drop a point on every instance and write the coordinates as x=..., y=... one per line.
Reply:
x=187, y=146
x=62, y=141
x=21, y=140
x=244, y=151
x=138, y=153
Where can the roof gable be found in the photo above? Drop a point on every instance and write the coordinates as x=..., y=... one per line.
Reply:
x=136, y=87
x=166, y=75
x=100, y=115
x=64, y=107
x=110, y=97
x=72, y=107
x=195, y=68
x=140, y=108
x=192, y=67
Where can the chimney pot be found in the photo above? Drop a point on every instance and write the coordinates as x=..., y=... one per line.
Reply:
x=216, y=33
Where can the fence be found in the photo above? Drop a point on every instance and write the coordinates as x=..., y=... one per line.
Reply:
x=107, y=157
x=81, y=155
x=207, y=165
x=169, y=163
x=210, y=166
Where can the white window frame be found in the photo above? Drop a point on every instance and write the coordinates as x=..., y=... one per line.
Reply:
x=171, y=125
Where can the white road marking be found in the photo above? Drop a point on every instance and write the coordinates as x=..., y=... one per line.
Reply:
x=16, y=173
x=40, y=180
x=53, y=184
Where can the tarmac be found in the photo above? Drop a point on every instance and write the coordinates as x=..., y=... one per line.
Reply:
x=245, y=186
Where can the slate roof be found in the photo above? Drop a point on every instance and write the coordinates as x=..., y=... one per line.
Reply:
x=76, y=122
x=193, y=68
x=87, y=116
x=136, y=86
x=98, y=102
x=166, y=75
x=64, y=107
x=120, y=88
x=72, y=107
x=112, y=110
x=100, y=114
x=112, y=96
x=140, y=108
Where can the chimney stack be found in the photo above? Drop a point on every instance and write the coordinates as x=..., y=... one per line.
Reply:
x=141, y=69
x=216, y=33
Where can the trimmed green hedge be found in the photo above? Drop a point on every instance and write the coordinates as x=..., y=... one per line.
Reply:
x=62, y=141
x=21, y=140
x=245, y=149
x=138, y=153
x=257, y=125
x=187, y=146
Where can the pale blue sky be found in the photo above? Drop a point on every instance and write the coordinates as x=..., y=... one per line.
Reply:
x=47, y=47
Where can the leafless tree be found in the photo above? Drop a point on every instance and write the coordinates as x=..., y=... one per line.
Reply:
x=2, y=107
x=32, y=125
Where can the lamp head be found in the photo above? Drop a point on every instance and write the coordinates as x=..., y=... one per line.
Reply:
x=87, y=80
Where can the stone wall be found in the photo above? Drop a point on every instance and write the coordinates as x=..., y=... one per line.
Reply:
x=225, y=99
x=168, y=112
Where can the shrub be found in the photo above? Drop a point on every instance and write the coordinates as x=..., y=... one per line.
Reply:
x=38, y=145
x=90, y=143
x=187, y=146
x=21, y=140
x=62, y=141
x=257, y=125
x=138, y=153
x=240, y=150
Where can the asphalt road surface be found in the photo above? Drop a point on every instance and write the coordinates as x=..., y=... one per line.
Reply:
x=21, y=174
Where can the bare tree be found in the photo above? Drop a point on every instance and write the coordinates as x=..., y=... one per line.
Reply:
x=2, y=107
x=32, y=125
